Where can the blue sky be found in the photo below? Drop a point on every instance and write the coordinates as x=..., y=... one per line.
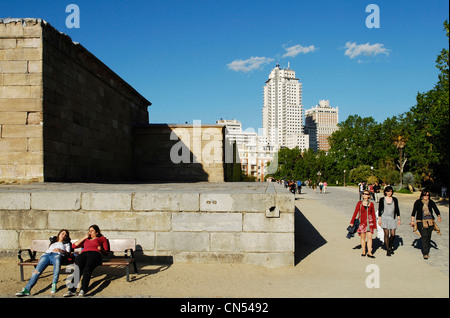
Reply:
x=209, y=59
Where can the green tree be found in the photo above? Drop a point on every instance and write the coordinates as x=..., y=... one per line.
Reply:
x=428, y=121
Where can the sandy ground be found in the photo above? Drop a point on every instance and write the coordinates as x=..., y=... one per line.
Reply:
x=328, y=266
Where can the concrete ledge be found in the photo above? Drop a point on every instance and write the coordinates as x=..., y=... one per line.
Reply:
x=15, y=201
x=56, y=200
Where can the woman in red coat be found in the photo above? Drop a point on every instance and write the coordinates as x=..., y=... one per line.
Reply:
x=365, y=212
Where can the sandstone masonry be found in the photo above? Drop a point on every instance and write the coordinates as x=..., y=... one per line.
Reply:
x=206, y=223
x=65, y=116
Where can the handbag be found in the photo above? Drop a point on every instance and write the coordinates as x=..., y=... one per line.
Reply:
x=380, y=232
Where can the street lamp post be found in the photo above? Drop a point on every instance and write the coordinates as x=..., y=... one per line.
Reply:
x=344, y=178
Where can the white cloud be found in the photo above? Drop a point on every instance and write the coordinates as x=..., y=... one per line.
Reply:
x=354, y=50
x=295, y=50
x=250, y=64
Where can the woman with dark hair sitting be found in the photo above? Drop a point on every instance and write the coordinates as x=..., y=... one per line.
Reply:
x=54, y=254
x=389, y=218
x=94, y=244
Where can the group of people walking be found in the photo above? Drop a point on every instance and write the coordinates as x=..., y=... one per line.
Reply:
x=93, y=245
x=422, y=220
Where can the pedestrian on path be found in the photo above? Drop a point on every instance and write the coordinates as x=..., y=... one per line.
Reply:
x=422, y=213
x=376, y=190
x=389, y=218
x=57, y=249
x=365, y=211
x=299, y=187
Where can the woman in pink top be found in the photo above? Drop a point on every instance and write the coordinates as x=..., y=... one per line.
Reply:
x=93, y=245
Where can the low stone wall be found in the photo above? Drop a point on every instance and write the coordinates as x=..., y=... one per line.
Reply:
x=230, y=223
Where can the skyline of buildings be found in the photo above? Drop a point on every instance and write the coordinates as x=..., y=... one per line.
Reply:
x=284, y=124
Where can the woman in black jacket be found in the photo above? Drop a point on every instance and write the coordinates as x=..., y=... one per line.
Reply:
x=389, y=218
x=423, y=215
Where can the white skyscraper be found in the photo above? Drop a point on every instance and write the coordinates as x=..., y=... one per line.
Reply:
x=283, y=109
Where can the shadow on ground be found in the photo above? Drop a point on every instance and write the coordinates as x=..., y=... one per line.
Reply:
x=307, y=238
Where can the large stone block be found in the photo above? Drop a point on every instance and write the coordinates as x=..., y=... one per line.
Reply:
x=7, y=44
x=14, y=131
x=13, y=144
x=101, y=201
x=252, y=242
x=13, y=66
x=258, y=222
x=20, y=104
x=207, y=257
x=23, y=220
x=267, y=242
x=13, y=118
x=28, y=54
x=111, y=221
x=165, y=201
x=210, y=222
x=21, y=158
x=15, y=201
x=226, y=242
x=285, y=202
x=25, y=237
x=9, y=239
x=236, y=202
x=56, y=200
x=182, y=241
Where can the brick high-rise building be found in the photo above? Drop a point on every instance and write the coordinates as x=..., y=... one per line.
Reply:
x=320, y=123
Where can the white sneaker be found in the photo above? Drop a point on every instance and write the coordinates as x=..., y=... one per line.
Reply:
x=23, y=292
x=53, y=288
x=69, y=294
x=81, y=293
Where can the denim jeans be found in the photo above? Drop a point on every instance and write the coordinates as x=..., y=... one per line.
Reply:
x=45, y=260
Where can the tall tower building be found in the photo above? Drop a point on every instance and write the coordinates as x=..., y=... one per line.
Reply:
x=320, y=123
x=283, y=110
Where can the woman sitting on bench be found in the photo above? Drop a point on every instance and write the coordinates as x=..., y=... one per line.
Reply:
x=94, y=244
x=55, y=252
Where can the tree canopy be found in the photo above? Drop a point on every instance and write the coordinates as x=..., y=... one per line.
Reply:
x=415, y=142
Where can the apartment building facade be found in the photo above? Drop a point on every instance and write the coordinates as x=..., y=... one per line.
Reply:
x=321, y=122
x=283, y=109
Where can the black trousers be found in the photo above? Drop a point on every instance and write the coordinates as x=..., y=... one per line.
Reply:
x=425, y=233
x=87, y=262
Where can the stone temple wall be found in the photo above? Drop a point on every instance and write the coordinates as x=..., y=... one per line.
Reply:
x=21, y=107
x=65, y=116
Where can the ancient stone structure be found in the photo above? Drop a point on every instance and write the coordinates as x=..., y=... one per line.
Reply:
x=66, y=117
